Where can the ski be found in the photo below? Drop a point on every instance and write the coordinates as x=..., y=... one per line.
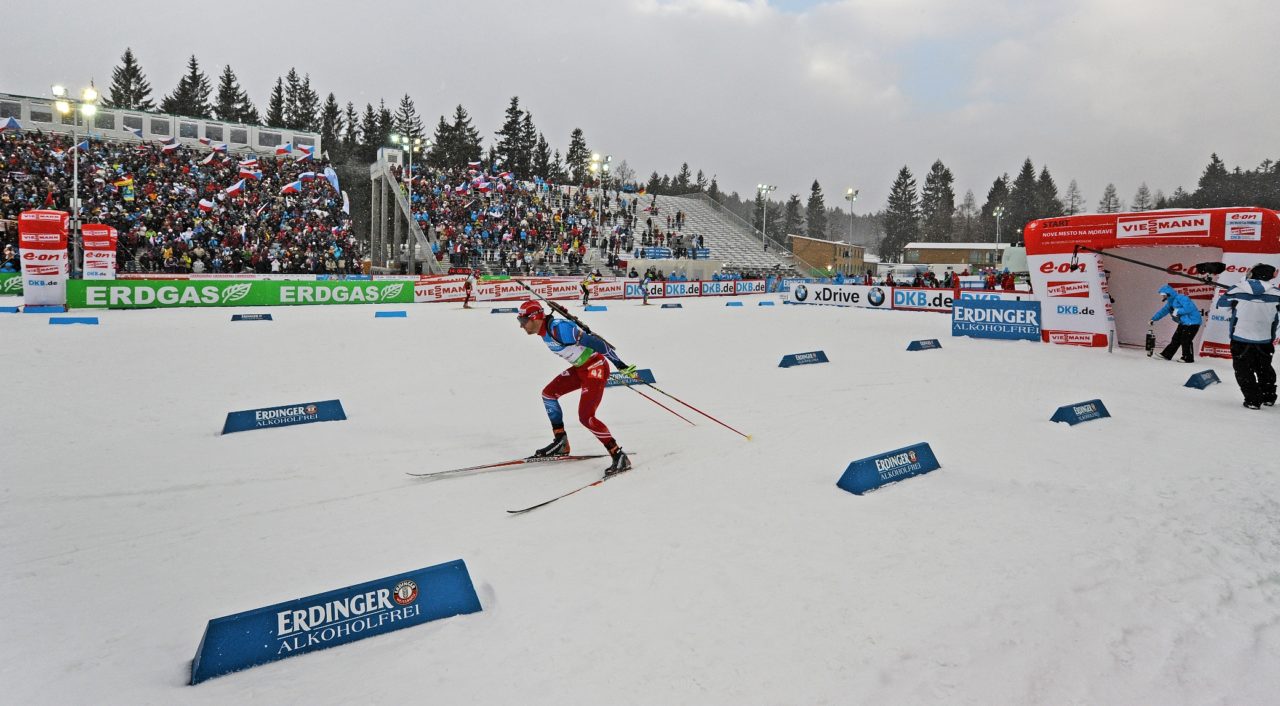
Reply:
x=504, y=464
x=579, y=489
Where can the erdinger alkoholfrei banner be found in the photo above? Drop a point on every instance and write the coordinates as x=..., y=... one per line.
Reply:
x=42, y=240
x=99, y=251
x=1102, y=295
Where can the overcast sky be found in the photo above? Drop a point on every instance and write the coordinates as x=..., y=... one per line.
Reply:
x=782, y=92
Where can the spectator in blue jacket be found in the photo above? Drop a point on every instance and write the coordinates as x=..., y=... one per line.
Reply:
x=1187, y=315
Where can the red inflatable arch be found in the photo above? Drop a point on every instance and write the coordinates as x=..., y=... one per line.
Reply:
x=1105, y=296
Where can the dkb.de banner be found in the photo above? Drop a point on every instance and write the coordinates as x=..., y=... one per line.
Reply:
x=139, y=294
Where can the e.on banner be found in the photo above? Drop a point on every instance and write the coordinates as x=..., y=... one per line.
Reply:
x=42, y=238
x=99, y=251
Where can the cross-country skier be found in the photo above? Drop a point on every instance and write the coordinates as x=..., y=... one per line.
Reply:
x=586, y=284
x=589, y=357
x=1187, y=315
x=1255, y=303
x=644, y=287
x=468, y=286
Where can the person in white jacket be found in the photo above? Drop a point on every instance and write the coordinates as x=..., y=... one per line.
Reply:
x=1255, y=310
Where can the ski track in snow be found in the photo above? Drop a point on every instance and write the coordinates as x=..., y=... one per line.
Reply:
x=1134, y=559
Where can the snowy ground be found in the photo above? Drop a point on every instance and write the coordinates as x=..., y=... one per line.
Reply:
x=1128, y=560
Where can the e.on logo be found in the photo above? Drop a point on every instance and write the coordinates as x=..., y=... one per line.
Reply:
x=1049, y=267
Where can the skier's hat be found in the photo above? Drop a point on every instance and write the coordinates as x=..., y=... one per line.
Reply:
x=531, y=310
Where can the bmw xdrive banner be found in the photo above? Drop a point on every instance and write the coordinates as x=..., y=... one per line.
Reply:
x=841, y=295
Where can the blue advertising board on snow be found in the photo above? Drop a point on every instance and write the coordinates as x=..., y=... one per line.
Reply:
x=643, y=375
x=810, y=358
x=673, y=305
x=924, y=344
x=503, y=310
x=251, y=317
x=1074, y=414
x=90, y=320
x=400, y=314
x=284, y=416
x=596, y=307
x=1202, y=380
x=992, y=318
x=870, y=473
x=255, y=637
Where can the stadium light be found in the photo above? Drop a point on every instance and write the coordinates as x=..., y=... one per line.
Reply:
x=851, y=195
x=410, y=145
x=599, y=166
x=762, y=190
x=88, y=107
x=998, y=212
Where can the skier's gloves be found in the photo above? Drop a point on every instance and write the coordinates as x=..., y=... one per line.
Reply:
x=629, y=371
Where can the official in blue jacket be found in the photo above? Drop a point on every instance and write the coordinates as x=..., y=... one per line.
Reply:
x=1187, y=314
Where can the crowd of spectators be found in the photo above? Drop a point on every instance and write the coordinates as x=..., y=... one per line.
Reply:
x=990, y=278
x=512, y=224
x=153, y=198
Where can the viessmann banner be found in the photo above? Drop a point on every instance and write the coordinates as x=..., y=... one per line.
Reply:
x=142, y=294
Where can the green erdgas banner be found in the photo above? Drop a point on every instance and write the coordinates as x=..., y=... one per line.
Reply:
x=146, y=294
x=10, y=283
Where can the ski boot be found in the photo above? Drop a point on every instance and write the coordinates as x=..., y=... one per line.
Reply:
x=559, y=446
x=1252, y=404
x=620, y=462
x=1269, y=395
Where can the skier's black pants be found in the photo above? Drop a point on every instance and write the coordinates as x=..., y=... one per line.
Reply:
x=1184, y=336
x=1254, y=374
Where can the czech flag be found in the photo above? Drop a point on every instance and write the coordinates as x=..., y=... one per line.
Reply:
x=307, y=176
x=169, y=145
x=473, y=165
x=250, y=173
x=234, y=188
x=286, y=148
x=249, y=163
x=136, y=132
x=206, y=205
x=83, y=146
x=292, y=188
x=220, y=147
x=9, y=124
x=208, y=159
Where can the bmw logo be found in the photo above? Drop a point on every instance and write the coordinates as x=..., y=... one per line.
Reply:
x=876, y=296
x=802, y=292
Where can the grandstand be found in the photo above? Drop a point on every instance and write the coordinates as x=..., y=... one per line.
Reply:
x=182, y=200
x=507, y=225
x=163, y=181
x=729, y=238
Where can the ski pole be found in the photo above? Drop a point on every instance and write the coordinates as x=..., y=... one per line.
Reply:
x=1209, y=267
x=633, y=389
x=708, y=416
x=565, y=313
